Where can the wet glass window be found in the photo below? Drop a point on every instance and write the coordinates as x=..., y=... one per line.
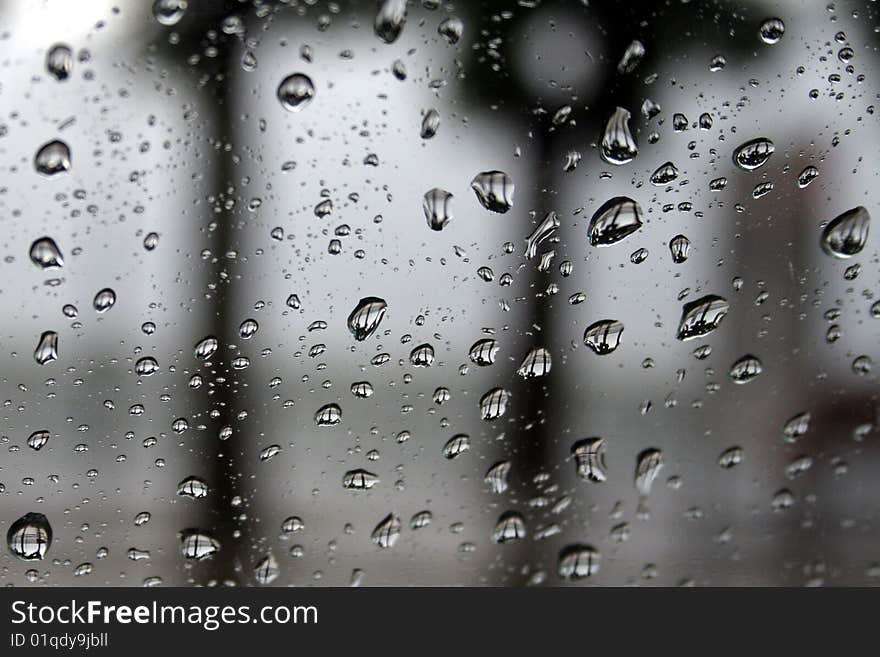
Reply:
x=422, y=292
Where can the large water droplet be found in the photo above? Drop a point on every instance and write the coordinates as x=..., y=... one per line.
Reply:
x=494, y=189
x=745, y=369
x=47, y=348
x=359, y=479
x=390, y=19
x=328, y=415
x=430, y=124
x=366, y=316
x=52, y=158
x=483, y=352
x=702, y=316
x=193, y=487
x=618, y=146
x=664, y=174
x=206, y=347
x=386, y=533
x=494, y=403
x=753, y=153
x=422, y=356
x=536, y=363
x=456, y=446
x=30, y=537
x=846, y=234
x=267, y=570
x=577, y=562
x=451, y=29
x=104, y=300
x=772, y=30
x=436, y=205
x=38, y=439
x=632, y=57
x=796, y=427
x=589, y=458
x=603, y=336
x=648, y=466
x=496, y=477
x=46, y=254
x=509, y=528
x=59, y=61
x=198, y=544
x=296, y=92
x=614, y=220
x=169, y=12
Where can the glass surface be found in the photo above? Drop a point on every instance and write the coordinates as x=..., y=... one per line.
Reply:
x=496, y=293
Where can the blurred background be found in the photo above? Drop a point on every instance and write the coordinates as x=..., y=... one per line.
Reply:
x=288, y=218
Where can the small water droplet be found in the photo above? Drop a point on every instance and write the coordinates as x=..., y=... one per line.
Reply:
x=753, y=153
x=846, y=234
x=494, y=190
x=47, y=348
x=436, y=205
x=52, y=158
x=59, y=61
x=589, y=458
x=46, y=254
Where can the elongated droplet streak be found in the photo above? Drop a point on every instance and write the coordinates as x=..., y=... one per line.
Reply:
x=543, y=231
x=47, y=348
x=618, y=146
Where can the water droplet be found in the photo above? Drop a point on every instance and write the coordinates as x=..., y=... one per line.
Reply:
x=146, y=366
x=46, y=254
x=366, y=316
x=38, y=439
x=359, y=479
x=702, y=316
x=267, y=570
x=390, y=19
x=436, y=205
x=421, y=519
x=494, y=190
x=648, y=466
x=494, y=403
x=664, y=174
x=730, y=457
x=772, y=30
x=632, y=57
x=753, y=153
x=169, y=12
x=30, y=537
x=603, y=336
x=808, y=175
x=47, y=348
x=248, y=329
x=509, y=528
x=52, y=158
x=745, y=369
x=430, y=124
x=362, y=389
x=679, y=247
x=328, y=415
x=483, y=352
x=206, y=347
x=589, y=458
x=536, y=363
x=577, y=562
x=796, y=427
x=451, y=29
x=387, y=532
x=846, y=234
x=422, y=356
x=104, y=300
x=198, y=544
x=193, y=487
x=59, y=61
x=618, y=146
x=496, y=477
x=296, y=92
x=614, y=220
x=151, y=241
x=705, y=121
x=456, y=446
